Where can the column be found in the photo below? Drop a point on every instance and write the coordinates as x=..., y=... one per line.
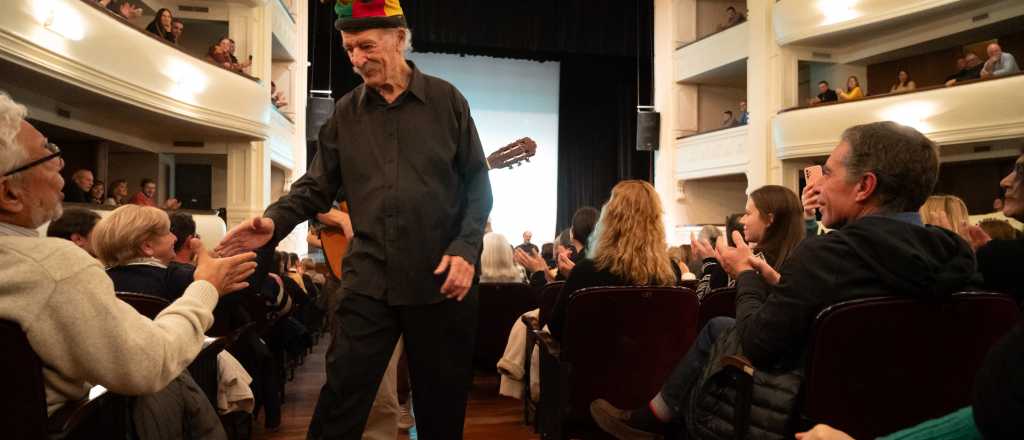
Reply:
x=248, y=181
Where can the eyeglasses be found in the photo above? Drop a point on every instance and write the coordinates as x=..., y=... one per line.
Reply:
x=54, y=153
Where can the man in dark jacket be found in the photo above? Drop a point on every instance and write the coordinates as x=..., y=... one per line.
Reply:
x=873, y=184
x=999, y=260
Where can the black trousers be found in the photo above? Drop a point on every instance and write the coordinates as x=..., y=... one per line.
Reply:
x=439, y=343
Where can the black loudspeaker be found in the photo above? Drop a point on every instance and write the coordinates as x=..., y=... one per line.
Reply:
x=648, y=130
x=317, y=112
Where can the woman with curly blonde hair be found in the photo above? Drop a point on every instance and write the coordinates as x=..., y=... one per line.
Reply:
x=627, y=248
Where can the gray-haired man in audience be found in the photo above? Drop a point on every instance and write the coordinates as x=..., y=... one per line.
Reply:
x=873, y=184
x=999, y=63
x=65, y=303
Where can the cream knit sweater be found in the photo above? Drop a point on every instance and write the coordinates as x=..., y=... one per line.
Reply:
x=84, y=335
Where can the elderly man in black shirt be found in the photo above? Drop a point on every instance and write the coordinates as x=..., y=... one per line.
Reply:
x=405, y=149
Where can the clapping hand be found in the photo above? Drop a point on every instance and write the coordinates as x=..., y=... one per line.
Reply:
x=735, y=260
x=975, y=236
x=530, y=261
x=702, y=249
x=565, y=265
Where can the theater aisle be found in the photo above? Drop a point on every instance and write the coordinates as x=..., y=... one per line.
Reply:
x=488, y=416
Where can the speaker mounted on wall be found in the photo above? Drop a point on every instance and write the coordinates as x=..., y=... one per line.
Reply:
x=648, y=128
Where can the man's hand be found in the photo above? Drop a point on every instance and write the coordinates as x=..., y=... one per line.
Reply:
x=823, y=432
x=565, y=265
x=975, y=236
x=249, y=235
x=531, y=261
x=810, y=199
x=701, y=248
x=129, y=11
x=735, y=259
x=339, y=219
x=172, y=204
x=226, y=274
x=460, y=276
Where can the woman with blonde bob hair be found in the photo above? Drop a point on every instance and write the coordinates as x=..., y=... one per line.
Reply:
x=945, y=211
x=627, y=248
x=135, y=243
x=496, y=262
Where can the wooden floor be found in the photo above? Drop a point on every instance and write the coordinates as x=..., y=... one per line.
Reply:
x=488, y=415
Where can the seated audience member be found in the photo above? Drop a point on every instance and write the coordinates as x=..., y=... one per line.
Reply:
x=999, y=63
x=77, y=190
x=710, y=233
x=996, y=405
x=680, y=257
x=997, y=213
x=147, y=196
x=97, y=192
x=903, y=83
x=547, y=252
x=496, y=262
x=852, y=91
x=999, y=229
x=161, y=25
x=628, y=248
x=277, y=97
x=946, y=211
x=229, y=48
x=75, y=225
x=772, y=222
x=961, y=66
x=733, y=18
x=971, y=70
x=732, y=223
x=218, y=56
x=65, y=303
x=177, y=28
x=122, y=8
x=744, y=117
x=826, y=94
x=118, y=194
x=136, y=245
x=999, y=260
x=183, y=226
x=526, y=246
x=873, y=184
x=727, y=119
x=570, y=246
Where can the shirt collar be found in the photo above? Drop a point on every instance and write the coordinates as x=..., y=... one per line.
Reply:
x=911, y=217
x=146, y=261
x=7, y=229
x=417, y=86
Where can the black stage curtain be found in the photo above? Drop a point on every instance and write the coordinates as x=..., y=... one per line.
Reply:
x=596, y=132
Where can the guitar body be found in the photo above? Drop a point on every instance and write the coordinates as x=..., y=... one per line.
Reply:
x=335, y=245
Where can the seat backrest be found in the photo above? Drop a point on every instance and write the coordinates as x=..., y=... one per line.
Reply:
x=147, y=305
x=501, y=305
x=718, y=302
x=546, y=299
x=621, y=343
x=23, y=408
x=877, y=365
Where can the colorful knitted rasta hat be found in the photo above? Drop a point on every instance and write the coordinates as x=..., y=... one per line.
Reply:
x=358, y=15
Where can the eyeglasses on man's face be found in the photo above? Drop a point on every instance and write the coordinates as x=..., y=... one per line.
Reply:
x=54, y=153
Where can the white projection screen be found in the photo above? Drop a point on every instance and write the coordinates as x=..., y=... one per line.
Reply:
x=510, y=99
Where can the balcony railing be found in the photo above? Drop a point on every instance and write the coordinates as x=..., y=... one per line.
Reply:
x=714, y=51
x=78, y=43
x=971, y=111
x=805, y=21
x=715, y=153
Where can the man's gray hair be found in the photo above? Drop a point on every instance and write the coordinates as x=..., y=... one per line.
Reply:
x=11, y=115
x=405, y=44
x=904, y=161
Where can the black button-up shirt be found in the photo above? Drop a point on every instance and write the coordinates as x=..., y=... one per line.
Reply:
x=415, y=179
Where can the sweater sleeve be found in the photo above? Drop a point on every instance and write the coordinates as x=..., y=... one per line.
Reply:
x=86, y=333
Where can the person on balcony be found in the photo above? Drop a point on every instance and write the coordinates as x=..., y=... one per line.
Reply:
x=727, y=119
x=118, y=194
x=826, y=94
x=161, y=25
x=903, y=83
x=217, y=55
x=744, y=114
x=999, y=63
x=77, y=191
x=122, y=8
x=852, y=91
x=96, y=192
x=147, y=196
x=971, y=70
x=177, y=28
x=733, y=18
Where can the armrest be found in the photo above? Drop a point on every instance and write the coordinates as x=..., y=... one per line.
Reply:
x=532, y=322
x=551, y=346
x=67, y=418
x=213, y=346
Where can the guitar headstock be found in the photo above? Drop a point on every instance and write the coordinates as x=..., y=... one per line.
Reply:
x=512, y=154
